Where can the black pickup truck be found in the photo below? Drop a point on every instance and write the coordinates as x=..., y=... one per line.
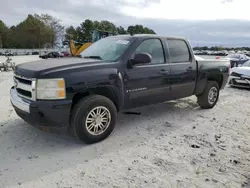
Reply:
x=114, y=74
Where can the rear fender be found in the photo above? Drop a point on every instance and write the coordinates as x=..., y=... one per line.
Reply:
x=209, y=77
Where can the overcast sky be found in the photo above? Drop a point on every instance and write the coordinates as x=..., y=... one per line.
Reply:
x=203, y=22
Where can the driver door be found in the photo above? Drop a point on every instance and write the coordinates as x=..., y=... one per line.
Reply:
x=148, y=83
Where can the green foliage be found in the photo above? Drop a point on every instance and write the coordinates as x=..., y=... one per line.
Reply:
x=121, y=30
x=56, y=28
x=39, y=31
x=139, y=29
x=31, y=33
x=36, y=31
x=4, y=34
x=83, y=33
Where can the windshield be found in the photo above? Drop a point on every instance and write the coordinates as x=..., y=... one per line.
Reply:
x=236, y=56
x=247, y=64
x=108, y=49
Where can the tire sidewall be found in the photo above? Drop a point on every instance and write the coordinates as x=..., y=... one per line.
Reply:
x=214, y=84
x=81, y=115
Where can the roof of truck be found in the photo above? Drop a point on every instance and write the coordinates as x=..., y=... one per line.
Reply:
x=149, y=36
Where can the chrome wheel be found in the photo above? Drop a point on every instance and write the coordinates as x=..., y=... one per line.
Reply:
x=212, y=95
x=98, y=120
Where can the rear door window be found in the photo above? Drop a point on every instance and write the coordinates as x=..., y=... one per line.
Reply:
x=179, y=51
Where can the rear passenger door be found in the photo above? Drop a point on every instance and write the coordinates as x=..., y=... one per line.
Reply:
x=182, y=68
x=148, y=83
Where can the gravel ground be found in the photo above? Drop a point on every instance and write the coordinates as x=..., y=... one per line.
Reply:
x=174, y=144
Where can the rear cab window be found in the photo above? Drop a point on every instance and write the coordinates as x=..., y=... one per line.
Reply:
x=179, y=51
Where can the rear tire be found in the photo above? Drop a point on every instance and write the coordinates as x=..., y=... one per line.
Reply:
x=6, y=68
x=93, y=119
x=209, y=98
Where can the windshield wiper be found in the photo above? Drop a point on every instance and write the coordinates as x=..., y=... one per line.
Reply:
x=93, y=57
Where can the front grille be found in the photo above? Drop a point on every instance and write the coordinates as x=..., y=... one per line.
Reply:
x=236, y=82
x=25, y=87
x=241, y=84
x=22, y=80
x=24, y=92
x=245, y=77
x=235, y=74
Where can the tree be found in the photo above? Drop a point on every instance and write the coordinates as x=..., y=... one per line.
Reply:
x=4, y=34
x=107, y=26
x=131, y=30
x=31, y=33
x=54, y=24
x=83, y=33
x=121, y=30
x=97, y=25
x=85, y=30
x=149, y=31
x=204, y=48
x=71, y=33
x=1, y=42
x=139, y=29
x=39, y=31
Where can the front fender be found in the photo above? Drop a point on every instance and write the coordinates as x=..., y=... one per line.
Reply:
x=105, y=82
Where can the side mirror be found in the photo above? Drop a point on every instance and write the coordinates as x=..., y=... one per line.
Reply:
x=141, y=58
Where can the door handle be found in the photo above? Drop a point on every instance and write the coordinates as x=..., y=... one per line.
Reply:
x=163, y=71
x=189, y=69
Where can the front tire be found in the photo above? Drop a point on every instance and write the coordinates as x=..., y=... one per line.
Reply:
x=209, y=98
x=6, y=68
x=93, y=119
x=13, y=66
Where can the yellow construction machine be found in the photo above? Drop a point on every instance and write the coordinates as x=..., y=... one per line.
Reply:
x=77, y=47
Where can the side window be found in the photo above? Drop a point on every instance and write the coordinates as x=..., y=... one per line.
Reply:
x=179, y=51
x=154, y=48
x=244, y=57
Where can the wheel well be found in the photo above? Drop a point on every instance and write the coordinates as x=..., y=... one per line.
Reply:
x=216, y=78
x=109, y=93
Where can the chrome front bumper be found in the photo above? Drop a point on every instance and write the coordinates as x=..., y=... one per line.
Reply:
x=18, y=102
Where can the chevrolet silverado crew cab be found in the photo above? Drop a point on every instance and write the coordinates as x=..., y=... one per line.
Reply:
x=114, y=74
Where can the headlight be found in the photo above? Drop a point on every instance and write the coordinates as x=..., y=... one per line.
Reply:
x=49, y=89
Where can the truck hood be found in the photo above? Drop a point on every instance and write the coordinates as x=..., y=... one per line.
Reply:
x=241, y=70
x=230, y=59
x=34, y=69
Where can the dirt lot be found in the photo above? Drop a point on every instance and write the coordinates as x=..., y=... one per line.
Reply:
x=175, y=144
